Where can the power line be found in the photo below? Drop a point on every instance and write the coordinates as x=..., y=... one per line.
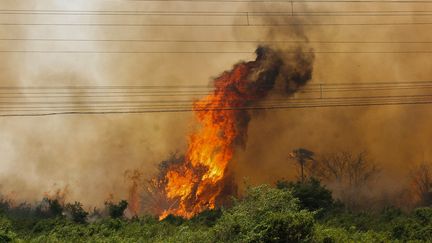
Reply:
x=216, y=41
x=247, y=15
x=354, y=83
x=289, y=1
x=217, y=25
x=287, y=13
x=210, y=52
x=104, y=93
x=122, y=107
x=199, y=12
x=190, y=110
x=225, y=99
x=216, y=101
x=317, y=83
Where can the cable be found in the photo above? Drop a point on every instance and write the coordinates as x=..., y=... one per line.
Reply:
x=289, y=1
x=210, y=52
x=355, y=83
x=204, y=13
x=190, y=110
x=124, y=107
x=217, y=25
x=216, y=41
x=126, y=94
x=216, y=102
x=247, y=15
x=316, y=85
x=220, y=13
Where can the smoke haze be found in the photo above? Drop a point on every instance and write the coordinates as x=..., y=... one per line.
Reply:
x=90, y=153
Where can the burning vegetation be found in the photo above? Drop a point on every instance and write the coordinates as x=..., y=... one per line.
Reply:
x=201, y=179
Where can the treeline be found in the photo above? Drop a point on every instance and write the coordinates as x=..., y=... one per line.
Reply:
x=288, y=211
x=354, y=177
x=302, y=211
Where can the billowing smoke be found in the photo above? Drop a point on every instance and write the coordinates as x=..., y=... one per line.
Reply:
x=91, y=153
x=201, y=180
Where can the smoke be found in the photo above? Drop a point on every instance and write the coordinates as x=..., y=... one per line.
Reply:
x=396, y=138
x=42, y=154
x=90, y=154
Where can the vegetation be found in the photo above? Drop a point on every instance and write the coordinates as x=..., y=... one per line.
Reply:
x=302, y=211
x=116, y=210
x=289, y=212
x=311, y=194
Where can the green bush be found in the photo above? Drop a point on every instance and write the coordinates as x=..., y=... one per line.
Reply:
x=208, y=217
x=265, y=215
x=312, y=195
x=326, y=234
x=44, y=226
x=6, y=230
x=76, y=212
x=416, y=227
x=174, y=220
x=391, y=213
x=48, y=208
x=424, y=215
x=116, y=210
x=362, y=221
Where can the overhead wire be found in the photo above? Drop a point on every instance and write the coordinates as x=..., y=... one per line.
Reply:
x=132, y=106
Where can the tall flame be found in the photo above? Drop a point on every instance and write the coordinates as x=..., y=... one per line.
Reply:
x=199, y=181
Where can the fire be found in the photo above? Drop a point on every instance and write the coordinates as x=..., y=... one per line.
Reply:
x=201, y=180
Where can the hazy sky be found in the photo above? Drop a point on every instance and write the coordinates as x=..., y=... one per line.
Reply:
x=91, y=152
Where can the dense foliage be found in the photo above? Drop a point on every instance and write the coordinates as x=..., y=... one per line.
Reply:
x=291, y=212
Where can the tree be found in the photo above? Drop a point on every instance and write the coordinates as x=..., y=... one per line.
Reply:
x=302, y=155
x=76, y=212
x=346, y=173
x=55, y=208
x=312, y=194
x=116, y=210
x=48, y=208
x=422, y=183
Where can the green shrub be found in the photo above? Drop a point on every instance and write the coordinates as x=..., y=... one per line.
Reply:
x=208, y=217
x=6, y=230
x=312, y=194
x=265, y=215
x=48, y=208
x=328, y=234
x=55, y=208
x=116, y=210
x=416, y=227
x=390, y=213
x=424, y=215
x=174, y=220
x=76, y=212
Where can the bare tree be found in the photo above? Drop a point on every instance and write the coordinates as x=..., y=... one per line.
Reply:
x=422, y=183
x=302, y=155
x=135, y=178
x=346, y=173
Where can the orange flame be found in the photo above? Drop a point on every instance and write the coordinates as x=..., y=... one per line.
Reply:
x=197, y=183
x=200, y=181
